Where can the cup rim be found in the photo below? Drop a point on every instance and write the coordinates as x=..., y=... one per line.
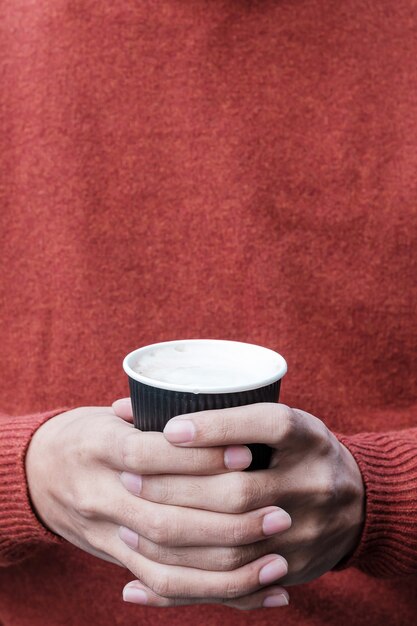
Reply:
x=280, y=371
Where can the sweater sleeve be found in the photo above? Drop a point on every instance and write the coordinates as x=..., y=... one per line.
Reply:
x=388, y=463
x=21, y=532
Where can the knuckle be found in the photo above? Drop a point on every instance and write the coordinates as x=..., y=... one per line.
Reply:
x=239, y=532
x=233, y=558
x=164, y=494
x=161, y=554
x=129, y=450
x=245, y=493
x=149, y=549
x=85, y=506
x=238, y=494
x=323, y=438
x=162, y=585
x=199, y=459
x=326, y=488
x=232, y=589
x=253, y=492
x=309, y=535
x=296, y=572
x=86, y=449
x=282, y=421
x=158, y=531
x=95, y=539
x=289, y=423
x=236, y=503
x=224, y=429
x=196, y=492
x=108, y=433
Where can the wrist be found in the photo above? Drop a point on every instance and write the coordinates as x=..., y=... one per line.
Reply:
x=356, y=505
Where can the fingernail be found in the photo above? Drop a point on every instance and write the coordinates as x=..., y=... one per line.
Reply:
x=237, y=457
x=133, y=594
x=274, y=570
x=276, y=522
x=276, y=600
x=125, y=402
x=132, y=482
x=129, y=537
x=179, y=431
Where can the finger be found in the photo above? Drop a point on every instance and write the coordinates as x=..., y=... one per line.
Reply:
x=171, y=581
x=138, y=593
x=123, y=409
x=221, y=559
x=273, y=424
x=179, y=526
x=234, y=492
x=128, y=449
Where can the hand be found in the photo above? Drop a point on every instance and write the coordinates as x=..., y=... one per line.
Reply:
x=311, y=475
x=78, y=465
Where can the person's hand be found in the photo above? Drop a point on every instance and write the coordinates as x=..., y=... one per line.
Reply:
x=311, y=475
x=80, y=466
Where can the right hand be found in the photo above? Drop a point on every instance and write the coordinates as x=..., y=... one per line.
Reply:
x=76, y=467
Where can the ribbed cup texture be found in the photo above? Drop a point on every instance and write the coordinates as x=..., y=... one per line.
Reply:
x=154, y=407
x=388, y=463
x=20, y=529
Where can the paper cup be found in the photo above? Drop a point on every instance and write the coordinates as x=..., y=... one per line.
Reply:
x=185, y=376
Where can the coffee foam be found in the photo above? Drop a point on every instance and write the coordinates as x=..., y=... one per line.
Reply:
x=204, y=365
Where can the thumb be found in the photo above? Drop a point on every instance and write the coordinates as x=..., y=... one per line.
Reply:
x=123, y=409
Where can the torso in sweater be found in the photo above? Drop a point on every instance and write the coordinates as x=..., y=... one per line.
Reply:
x=208, y=169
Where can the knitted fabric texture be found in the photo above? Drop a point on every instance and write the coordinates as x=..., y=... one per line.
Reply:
x=215, y=169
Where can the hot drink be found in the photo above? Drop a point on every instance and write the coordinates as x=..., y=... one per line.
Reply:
x=207, y=365
x=178, y=377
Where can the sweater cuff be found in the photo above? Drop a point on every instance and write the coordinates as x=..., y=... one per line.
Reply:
x=21, y=532
x=388, y=464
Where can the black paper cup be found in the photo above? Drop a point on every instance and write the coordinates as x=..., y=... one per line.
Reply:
x=185, y=376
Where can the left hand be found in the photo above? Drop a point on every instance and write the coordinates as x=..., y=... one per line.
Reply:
x=311, y=475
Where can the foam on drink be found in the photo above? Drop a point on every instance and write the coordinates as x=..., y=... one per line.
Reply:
x=206, y=365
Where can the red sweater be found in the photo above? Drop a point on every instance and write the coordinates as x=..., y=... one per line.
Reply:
x=237, y=170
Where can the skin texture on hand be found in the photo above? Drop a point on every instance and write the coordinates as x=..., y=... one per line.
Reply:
x=81, y=468
x=312, y=476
